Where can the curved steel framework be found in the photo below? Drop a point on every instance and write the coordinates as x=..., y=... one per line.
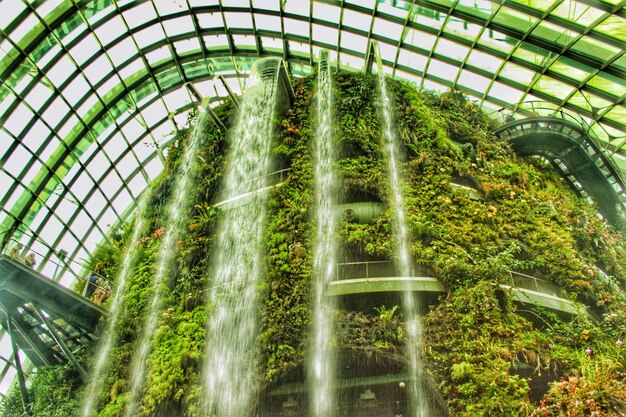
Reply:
x=91, y=90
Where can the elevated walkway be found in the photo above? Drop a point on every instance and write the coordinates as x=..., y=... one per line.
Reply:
x=47, y=321
x=575, y=155
x=382, y=276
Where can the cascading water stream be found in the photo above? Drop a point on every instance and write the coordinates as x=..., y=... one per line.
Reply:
x=411, y=307
x=231, y=355
x=177, y=211
x=110, y=336
x=322, y=362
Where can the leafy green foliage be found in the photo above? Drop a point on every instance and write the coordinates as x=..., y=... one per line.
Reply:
x=476, y=338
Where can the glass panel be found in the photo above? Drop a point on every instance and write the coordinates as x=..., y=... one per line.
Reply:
x=139, y=15
x=482, y=60
x=464, y=29
x=609, y=84
x=357, y=20
x=365, y=3
x=238, y=20
x=15, y=164
x=498, y=41
x=595, y=49
x=61, y=70
x=614, y=26
x=515, y=20
x=352, y=61
x=265, y=22
x=479, y=8
x=554, y=34
x=18, y=120
x=25, y=26
x=505, y=93
x=148, y=36
x=353, y=42
x=472, y=81
x=296, y=27
x=412, y=60
x=215, y=41
x=244, y=41
x=7, y=381
x=432, y=85
x=388, y=29
x=442, y=70
x=71, y=122
x=326, y=12
x=98, y=69
x=272, y=44
x=553, y=87
x=153, y=168
x=56, y=111
x=267, y=4
x=571, y=69
x=517, y=73
x=620, y=63
x=178, y=26
x=131, y=69
x=84, y=49
x=541, y=5
x=577, y=12
x=451, y=50
x=617, y=114
x=16, y=6
x=421, y=40
x=428, y=18
x=325, y=35
x=76, y=90
x=158, y=55
x=298, y=7
x=110, y=30
x=532, y=54
x=398, y=9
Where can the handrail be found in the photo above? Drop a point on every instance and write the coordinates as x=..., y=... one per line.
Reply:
x=537, y=108
x=62, y=266
x=373, y=269
x=381, y=268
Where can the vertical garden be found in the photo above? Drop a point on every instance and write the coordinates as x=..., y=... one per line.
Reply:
x=477, y=214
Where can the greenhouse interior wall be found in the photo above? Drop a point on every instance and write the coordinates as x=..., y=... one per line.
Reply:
x=518, y=278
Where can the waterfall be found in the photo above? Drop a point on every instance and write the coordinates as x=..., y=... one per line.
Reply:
x=109, y=338
x=231, y=356
x=411, y=303
x=322, y=362
x=177, y=211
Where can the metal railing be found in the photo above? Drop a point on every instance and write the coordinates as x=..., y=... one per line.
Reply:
x=61, y=264
x=388, y=269
x=534, y=109
x=377, y=269
x=528, y=282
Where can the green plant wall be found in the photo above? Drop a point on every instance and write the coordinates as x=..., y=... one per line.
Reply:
x=476, y=338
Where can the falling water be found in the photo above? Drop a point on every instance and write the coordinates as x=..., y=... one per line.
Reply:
x=231, y=356
x=109, y=338
x=401, y=237
x=321, y=372
x=177, y=208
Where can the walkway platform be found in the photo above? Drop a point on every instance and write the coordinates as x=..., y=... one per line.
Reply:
x=382, y=277
x=576, y=156
x=44, y=314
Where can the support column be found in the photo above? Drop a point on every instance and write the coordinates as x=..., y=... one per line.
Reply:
x=18, y=364
x=66, y=350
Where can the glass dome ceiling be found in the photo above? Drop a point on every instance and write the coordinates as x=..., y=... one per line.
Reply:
x=92, y=90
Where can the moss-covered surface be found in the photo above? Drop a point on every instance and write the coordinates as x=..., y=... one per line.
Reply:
x=475, y=337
